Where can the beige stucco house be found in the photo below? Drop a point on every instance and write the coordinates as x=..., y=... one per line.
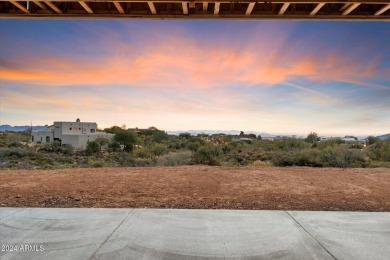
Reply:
x=76, y=134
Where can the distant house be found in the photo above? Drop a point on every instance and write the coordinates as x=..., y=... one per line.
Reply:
x=241, y=139
x=140, y=130
x=76, y=134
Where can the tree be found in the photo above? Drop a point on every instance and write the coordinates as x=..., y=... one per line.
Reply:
x=92, y=147
x=126, y=138
x=312, y=138
x=101, y=140
x=159, y=136
x=112, y=129
x=372, y=140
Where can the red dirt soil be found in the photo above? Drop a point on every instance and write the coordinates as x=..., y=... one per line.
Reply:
x=200, y=187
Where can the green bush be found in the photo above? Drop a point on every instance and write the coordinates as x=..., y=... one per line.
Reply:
x=175, y=158
x=125, y=159
x=68, y=150
x=92, y=147
x=127, y=138
x=342, y=157
x=157, y=149
x=208, y=155
x=291, y=144
x=329, y=143
x=380, y=150
x=142, y=152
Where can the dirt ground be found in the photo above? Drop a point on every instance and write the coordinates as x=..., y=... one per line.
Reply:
x=201, y=187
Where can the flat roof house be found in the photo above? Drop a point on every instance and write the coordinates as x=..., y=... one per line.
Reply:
x=76, y=134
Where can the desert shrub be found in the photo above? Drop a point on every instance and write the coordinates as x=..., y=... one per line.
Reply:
x=329, y=143
x=380, y=150
x=261, y=163
x=283, y=159
x=290, y=144
x=97, y=164
x=114, y=146
x=208, y=155
x=125, y=159
x=68, y=150
x=19, y=152
x=92, y=147
x=157, y=149
x=143, y=162
x=342, y=157
x=193, y=146
x=159, y=136
x=307, y=157
x=142, y=152
x=175, y=158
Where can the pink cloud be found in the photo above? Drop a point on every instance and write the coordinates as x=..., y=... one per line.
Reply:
x=181, y=62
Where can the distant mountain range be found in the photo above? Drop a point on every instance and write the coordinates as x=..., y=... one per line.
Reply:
x=21, y=128
x=384, y=137
x=227, y=132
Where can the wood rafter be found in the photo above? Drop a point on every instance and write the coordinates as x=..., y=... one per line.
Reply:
x=152, y=8
x=317, y=8
x=86, y=7
x=54, y=7
x=119, y=7
x=362, y=10
x=284, y=8
x=40, y=5
x=216, y=8
x=345, y=6
x=185, y=7
x=351, y=8
x=205, y=6
x=20, y=6
x=382, y=10
x=250, y=8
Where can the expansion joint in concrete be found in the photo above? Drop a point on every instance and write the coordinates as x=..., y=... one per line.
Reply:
x=108, y=237
x=318, y=242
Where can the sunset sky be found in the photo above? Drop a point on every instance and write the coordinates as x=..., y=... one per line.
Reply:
x=269, y=76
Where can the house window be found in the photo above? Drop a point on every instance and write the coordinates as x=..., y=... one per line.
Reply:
x=70, y=128
x=47, y=139
x=92, y=130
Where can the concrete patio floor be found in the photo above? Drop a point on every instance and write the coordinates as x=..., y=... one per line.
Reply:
x=90, y=233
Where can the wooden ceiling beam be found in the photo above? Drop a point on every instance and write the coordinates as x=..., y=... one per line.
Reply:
x=317, y=8
x=53, y=6
x=185, y=7
x=205, y=6
x=250, y=8
x=119, y=7
x=40, y=5
x=152, y=8
x=216, y=8
x=382, y=10
x=284, y=8
x=350, y=8
x=20, y=6
x=345, y=6
x=86, y=7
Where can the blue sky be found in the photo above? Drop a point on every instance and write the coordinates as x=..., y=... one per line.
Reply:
x=268, y=76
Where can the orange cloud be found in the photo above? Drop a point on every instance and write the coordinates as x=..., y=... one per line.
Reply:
x=182, y=63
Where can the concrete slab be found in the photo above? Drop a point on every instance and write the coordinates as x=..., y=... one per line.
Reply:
x=63, y=233
x=349, y=235
x=192, y=234
x=5, y=212
x=210, y=234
